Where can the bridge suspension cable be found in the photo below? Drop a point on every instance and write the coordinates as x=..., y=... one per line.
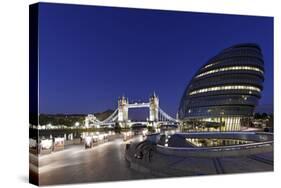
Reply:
x=165, y=115
x=112, y=117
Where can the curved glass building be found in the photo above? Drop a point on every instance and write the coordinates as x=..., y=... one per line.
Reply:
x=224, y=91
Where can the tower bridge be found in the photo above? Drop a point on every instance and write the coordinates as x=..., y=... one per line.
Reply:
x=120, y=116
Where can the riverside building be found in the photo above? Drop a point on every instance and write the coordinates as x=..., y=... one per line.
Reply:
x=224, y=92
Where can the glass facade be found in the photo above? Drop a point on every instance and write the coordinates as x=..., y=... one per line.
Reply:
x=219, y=88
x=225, y=90
x=230, y=69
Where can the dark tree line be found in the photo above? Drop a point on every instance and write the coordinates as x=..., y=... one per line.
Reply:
x=69, y=119
x=262, y=115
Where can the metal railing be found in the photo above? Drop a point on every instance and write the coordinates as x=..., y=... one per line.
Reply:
x=219, y=148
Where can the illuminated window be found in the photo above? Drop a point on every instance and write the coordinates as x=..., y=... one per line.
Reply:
x=221, y=88
x=211, y=64
x=230, y=68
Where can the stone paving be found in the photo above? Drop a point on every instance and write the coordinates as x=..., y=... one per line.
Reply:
x=76, y=164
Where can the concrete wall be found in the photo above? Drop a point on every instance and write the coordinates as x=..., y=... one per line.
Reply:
x=263, y=143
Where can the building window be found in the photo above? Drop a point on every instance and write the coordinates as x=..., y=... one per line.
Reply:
x=222, y=88
x=230, y=68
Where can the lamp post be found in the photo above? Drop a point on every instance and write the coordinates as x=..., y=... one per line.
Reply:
x=76, y=127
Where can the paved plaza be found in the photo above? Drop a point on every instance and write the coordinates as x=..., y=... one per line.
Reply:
x=106, y=162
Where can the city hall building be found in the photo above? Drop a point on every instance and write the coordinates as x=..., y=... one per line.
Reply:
x=224, y=92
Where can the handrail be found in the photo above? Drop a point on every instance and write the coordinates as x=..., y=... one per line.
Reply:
x=226, y=132
x=220, y=148
x=255, y=136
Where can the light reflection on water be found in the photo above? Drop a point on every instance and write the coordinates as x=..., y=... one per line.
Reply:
x=213, y=142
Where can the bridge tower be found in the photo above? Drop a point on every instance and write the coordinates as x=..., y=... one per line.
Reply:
x=153, y=108
x=123, y=110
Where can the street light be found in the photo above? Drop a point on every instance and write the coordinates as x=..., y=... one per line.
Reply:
x=77, y=124
x=76, y=128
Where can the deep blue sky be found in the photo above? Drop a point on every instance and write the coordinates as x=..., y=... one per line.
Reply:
x=89, y=56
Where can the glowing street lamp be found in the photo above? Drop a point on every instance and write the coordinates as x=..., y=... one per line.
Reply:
x=77, y=124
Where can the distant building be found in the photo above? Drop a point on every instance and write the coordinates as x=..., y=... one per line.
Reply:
x=225, y=90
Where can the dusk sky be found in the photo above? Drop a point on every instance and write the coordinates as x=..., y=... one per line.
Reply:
x=90, y=56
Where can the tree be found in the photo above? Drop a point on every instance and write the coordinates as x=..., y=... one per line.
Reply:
x=264, y=115
x=257, y=116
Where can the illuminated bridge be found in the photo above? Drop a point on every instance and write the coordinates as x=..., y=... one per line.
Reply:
x=157, y=116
